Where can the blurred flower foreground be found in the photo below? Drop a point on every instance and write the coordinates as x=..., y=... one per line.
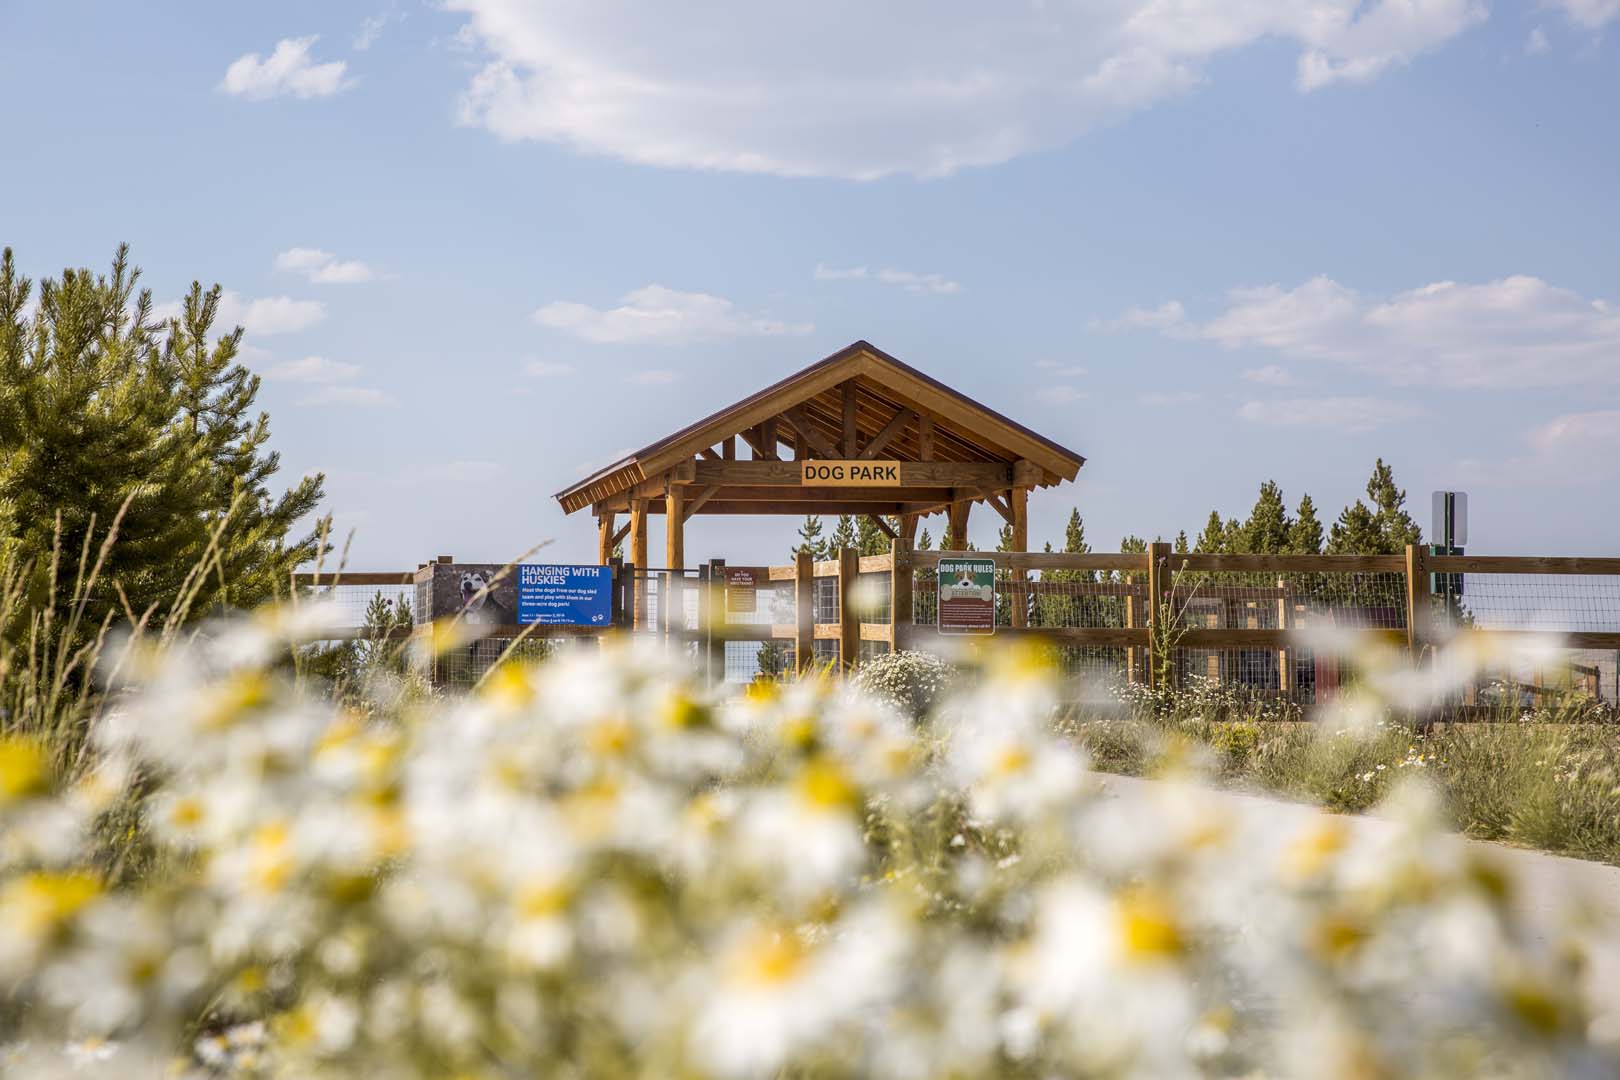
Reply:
x=590, y=869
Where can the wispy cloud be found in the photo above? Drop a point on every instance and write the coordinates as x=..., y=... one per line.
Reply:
x=1270, y=375
x=1570, y=449
x=1170, y=400
x=265, y=316
x=1513, y=332
x=322, y=267
x=1351, y=415
x=905, y=279
x=1062, y=371
x=546, y=369
x=372, y=26
x=360, y=397
x=655, y=315
x=313, y=369
x=288, y=70
x=1060, y=395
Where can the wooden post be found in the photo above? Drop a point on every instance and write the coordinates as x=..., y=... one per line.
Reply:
x=1133, y=620
x=675, y=527
x=712, y=619
x=850, y=432
x=1417, y=599
x=908, y=527
x=1020, y=542
x=804, y=611
x=1285, y=623
x=956, y=537
x=638, y=561
x=604, y=536
x=901, y=611
x=849, y=619
x=1158, y=560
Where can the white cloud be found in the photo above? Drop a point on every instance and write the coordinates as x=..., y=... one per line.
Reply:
x=1169, y=318
x=287, y=70
x=1537, y=43
x=1349, y=415
x=1062, y=371
x=654, y=315
x=1060, y=395
x=322, y=267
x=546, y=369
x=1514, y=332
x=1572, y=449
x=925, y=87
x=652, y=378
x=1270, y=375
x=313, y=369
x=263, y=317
x=363, y=397
x=1589, y=14
x=372, y=26
x=1170, y=400
x=906, y=279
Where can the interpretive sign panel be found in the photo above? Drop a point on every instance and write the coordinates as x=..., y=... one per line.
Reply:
x=967, y=596
x=565, y=595
x=742, y=586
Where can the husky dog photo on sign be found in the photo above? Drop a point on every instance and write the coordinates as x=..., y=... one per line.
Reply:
x=472, y=592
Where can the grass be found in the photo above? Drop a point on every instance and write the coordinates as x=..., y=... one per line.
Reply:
x=1548, y=780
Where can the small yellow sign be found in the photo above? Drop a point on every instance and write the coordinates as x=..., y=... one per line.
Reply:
x=850, y=474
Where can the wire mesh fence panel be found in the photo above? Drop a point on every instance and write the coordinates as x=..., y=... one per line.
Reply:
x=355, y=603
x=872, y=597
x=1567, y=605
x=824, y=599
x=462, y=667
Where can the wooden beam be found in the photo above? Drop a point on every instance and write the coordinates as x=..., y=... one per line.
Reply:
x=774, y=493
x=908, y=528
x=767, y=437
x=708, y=453
x=849, y=618
x=694, y=505
x=883, y=526
x=604, y=537
x=890, y=430
x=851, y=433
x=956, y=474
x=925, y=438
x=801, y=424
x=624, y=530
x=728, y=449
x=638, y=559
x=999, y=505
x=804, y=611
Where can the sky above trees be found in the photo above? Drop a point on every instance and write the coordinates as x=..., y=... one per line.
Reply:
x=482, y=247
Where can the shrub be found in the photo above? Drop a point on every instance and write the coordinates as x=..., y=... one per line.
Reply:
x=913, y=682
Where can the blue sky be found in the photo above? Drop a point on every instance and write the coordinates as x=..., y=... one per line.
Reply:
x=481, y=247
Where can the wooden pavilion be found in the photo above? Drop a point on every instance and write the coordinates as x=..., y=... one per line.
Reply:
x=856, y=433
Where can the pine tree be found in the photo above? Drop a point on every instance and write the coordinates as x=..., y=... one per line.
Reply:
x=1181, y=543
x=1133, y=545
x=1385, y=528
x=925, y=540
x=843, y=536
x=869, y=539
x=98, y=404
x=1074, y=534
x=1212, y=541
x=810, y=538
x=1266, y=530
x=1004, y=539
x=1305, y=535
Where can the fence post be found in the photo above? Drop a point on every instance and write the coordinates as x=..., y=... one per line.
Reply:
x=1417, y=599
x=849, y=619
x=1285, y=623
x=619, y=614
x=804, y=611
x=901, y=613
x=716, y=592
x=1158, y=558
x=1133, y=620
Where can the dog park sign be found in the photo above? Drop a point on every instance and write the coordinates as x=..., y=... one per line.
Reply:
x=564, y=595
x=825, y=473
x=967, y=596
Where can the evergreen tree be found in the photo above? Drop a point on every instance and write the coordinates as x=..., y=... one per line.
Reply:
x=1133, y=545
x=1212, y=541
x=810, y=538
x=1385, y=528
x=1181, y=543
x=99, y=404
x=843, y=536
x=1305, y=535
x=1004, y=539
x=1074, y=534
x=1266, y=531
x=869, y=539
x=925, y=541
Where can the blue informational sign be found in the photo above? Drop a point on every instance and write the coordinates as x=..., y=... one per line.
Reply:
x=565, y=595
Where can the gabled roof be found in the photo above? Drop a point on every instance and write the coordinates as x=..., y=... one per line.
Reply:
x=964, y=429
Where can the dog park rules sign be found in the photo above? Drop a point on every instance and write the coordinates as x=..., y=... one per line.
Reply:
x=564, y=595
x=967, y=596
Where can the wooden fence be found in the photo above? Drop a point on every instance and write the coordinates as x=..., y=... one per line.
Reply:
x=1146, y=616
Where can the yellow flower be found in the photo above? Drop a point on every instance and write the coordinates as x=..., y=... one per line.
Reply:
x=25, y=769
x=1148, y=927
x=822, y=784
x=38, y=903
